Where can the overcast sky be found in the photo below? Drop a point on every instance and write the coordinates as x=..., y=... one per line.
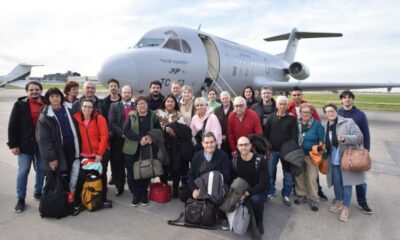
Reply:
x=78, y=35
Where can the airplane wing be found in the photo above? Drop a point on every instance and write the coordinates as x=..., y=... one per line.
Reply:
x=319, y=86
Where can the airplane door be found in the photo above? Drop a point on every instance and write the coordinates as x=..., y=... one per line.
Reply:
x=212, y=58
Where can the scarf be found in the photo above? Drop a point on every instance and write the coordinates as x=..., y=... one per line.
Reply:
x=302, y=129
x=328, y=142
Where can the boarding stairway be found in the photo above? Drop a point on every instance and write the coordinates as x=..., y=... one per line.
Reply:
x=211, y=82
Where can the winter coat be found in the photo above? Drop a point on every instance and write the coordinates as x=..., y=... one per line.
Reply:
x=187, y=110
x=238, y=187
x=21, y=133
x=361, y=120
x=219, y=162
x=250, y=124
x=50, y=140
x=212, y=125
x=106, y=104
x=116, y=119
x=94, y=137
x=353, y=137
x=259, y=109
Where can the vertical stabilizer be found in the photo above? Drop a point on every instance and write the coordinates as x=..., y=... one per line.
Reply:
x=293, y=39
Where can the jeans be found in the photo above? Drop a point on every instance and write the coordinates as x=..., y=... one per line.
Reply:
x=24, y=166
x=287, y=176
x=361, y=191
x=342, y=193
x=257, y=202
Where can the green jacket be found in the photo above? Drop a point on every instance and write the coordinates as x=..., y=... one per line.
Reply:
x=130, y=146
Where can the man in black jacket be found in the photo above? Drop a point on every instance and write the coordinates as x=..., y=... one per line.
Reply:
x=22, y=142
x=89, y=92
x=155, y=98
x=209, y=159
x=117, y=115
x=222, y=112
x=265, y=107
x=280, y=127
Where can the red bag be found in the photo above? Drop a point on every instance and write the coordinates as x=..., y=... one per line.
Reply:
x=160, y=192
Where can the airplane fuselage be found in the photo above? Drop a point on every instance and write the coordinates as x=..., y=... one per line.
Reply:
x=194, y=57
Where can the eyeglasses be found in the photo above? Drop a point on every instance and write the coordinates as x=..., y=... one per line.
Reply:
x=244, y=145
x=238, y=105
x=305, y=112
x=89, y=107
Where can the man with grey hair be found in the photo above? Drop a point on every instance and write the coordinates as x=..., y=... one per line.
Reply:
x=280, y=128
x=222, y=112
x=241, y=122
x=89, y=91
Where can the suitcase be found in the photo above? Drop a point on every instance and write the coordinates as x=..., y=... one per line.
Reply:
x=160, y=192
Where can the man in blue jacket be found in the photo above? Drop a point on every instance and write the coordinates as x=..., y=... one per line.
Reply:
x=348, y=110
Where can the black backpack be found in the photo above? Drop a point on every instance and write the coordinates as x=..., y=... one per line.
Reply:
x=53, y=203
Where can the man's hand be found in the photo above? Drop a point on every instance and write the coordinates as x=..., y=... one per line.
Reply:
x=196, y=194
x=15, y=151
x=53, y=165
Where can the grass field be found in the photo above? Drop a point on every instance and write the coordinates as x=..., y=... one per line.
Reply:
x=364, y=101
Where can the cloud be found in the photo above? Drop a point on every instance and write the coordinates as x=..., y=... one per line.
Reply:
x=79, y=35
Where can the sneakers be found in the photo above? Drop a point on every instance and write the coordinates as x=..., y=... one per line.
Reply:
x=322, y=196
x=119, y=191
x=300, y=200
x=144, y=200
x=77, y=209
x=314, y=206
x=365, y=208
x=271, y=196
x=260, y=227
x=37, y=196
x=225, y=224
x=286, y=201
x=336, y=207
x=344, y=215
x=135, y=201
x=20, y=207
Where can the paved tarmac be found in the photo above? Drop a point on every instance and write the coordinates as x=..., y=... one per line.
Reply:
x=150, y=222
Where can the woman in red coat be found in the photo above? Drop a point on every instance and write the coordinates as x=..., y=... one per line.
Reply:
x=93, y=131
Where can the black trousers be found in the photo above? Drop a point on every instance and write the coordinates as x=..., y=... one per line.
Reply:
x=117, y=162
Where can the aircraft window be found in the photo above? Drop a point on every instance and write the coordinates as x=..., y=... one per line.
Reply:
x=186, y=47
x=174, y=44
x=149, y=42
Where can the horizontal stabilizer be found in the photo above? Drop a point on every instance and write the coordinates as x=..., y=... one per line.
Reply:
x=300, y=35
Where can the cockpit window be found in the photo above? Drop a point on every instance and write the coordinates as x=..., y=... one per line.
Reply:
x=149, y=42
x=174, y=44
x=186, y=47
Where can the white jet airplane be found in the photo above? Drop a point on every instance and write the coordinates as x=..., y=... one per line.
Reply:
x=17, y=76
x=200, y=60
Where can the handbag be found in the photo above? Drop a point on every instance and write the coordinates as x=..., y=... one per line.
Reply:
x=200, y=213
x=147, y=168
x=160, y=192
x=323, y=166
x=356, y=160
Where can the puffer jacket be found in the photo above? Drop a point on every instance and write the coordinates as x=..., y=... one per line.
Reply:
x=95, y=136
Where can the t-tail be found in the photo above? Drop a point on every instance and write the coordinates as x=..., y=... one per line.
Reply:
x=19, y=73
x=294, y=38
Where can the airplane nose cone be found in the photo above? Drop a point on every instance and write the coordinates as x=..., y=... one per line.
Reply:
x=121, y=67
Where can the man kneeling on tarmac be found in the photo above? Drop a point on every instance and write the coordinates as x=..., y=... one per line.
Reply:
x=209, y=159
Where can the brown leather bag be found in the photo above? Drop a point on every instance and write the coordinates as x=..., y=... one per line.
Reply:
x=356, y=160
x=323, y=166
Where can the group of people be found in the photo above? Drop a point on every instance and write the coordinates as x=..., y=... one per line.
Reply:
x=191, y=135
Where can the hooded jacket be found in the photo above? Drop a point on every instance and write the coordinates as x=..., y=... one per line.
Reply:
x=95, y=136
x=49, y=138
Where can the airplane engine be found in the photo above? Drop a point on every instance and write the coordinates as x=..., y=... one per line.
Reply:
x=299, y=71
